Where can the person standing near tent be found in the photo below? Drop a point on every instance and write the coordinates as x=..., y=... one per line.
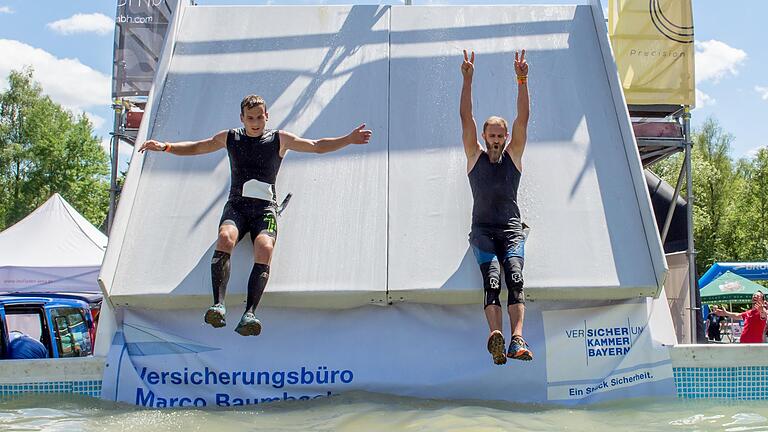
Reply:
x=255, y=154
x=497, y=233
x=713, y=323
x=754, y=319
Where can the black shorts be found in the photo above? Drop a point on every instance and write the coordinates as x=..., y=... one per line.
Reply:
x=495, y=243
x=250, y=215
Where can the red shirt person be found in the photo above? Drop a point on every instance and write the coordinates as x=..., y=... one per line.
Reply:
x=754, y=319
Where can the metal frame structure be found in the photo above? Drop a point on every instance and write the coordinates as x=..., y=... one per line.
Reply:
x=656, y=148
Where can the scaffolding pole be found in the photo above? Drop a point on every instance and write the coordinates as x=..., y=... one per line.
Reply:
x=691, y=252
x=117, y=132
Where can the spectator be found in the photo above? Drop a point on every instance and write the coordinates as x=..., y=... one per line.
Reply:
x=22, y=346
x=754, y=319
x=713, y=325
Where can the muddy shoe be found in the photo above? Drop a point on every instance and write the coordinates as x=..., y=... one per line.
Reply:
x=496, y=347
x=249, y=325
x=215, y=315
x=518, y=349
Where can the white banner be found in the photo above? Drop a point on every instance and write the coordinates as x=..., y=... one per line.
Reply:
x=607, y=348
x=171, y=359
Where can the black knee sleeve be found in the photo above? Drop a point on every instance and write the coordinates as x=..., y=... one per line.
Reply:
x=220, y=268
x=513, y=275
x=256, y=284
x=491, y=283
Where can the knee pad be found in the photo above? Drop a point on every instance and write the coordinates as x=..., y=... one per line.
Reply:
x=491, y=283
x=513, y=275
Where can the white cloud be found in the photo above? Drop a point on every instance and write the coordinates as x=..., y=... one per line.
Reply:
x=96, y=120
x=84, y=23
x=105, y=144
x=753, y=153
x=67, y=81
x=703, y=99
x=715, y=60
x=5, y=10
x=763, y=91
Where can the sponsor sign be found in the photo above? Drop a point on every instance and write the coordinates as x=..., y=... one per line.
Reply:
x=652, y=42
x=607, y=348
x=140, y=29
x=163, y=359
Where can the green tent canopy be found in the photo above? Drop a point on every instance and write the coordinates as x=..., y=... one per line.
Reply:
x=729, y=287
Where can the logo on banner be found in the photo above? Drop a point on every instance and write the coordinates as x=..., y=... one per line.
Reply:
x=612, y=341
x=136, y=11
x=671, y=30
x=609, y=348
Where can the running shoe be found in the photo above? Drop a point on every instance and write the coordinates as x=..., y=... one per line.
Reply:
x=215, y=315
x=496, y=347
x=518, y=349
x=249, y=325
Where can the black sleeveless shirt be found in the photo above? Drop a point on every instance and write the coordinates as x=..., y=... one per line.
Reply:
x=494, y=189
x=252, y=158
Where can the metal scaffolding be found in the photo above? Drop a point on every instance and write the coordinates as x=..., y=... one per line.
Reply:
x=662, y=131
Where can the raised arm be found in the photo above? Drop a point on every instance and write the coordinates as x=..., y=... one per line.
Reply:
x=289, y=141
x=724, y=313
x=520, y=125
x=468, y=126
x=188, y=148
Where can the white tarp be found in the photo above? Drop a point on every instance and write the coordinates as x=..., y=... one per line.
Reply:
x=593, y=232
x=387, y=221
x=54, y=248
x=613, y=351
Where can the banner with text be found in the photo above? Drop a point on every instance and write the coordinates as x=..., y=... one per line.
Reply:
x=140, y=29
x=581, y=354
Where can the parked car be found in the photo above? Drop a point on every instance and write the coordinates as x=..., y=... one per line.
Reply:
x=63, y=324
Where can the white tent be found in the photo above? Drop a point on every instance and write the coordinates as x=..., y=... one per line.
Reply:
x=54, y=248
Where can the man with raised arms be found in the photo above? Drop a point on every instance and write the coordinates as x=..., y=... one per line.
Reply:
x=255, y=154
x=497, y=233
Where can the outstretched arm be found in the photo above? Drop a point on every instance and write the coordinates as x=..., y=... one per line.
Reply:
x=289, y=141
x=724, y=313
x=468, y=126
x=187, y=148
x=520, y=125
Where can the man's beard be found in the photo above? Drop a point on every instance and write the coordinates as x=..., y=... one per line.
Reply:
x=494, y=154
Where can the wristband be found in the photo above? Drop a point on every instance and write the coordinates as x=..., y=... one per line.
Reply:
x=522, y=79
x=167, y=147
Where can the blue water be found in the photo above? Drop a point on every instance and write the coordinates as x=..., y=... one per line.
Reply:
x=370, y=412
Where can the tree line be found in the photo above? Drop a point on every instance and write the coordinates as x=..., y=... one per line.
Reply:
x=45, y=149
x=730, y=204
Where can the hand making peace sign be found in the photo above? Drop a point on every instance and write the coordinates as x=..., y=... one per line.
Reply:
x=521, y=67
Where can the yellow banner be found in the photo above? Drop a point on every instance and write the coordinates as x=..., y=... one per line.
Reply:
x=652, y=41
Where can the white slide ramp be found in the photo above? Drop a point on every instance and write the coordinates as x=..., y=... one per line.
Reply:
x=388, y=221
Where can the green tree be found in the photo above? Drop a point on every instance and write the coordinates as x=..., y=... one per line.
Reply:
x=714, y=181
x=46, y=149
x=751, y=207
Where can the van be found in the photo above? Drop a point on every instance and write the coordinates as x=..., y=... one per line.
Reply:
x=63, y=324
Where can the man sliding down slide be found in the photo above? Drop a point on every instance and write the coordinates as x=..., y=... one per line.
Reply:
x=497, y=231
x=255, y=154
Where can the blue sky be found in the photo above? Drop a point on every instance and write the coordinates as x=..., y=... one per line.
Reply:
x=70, y=45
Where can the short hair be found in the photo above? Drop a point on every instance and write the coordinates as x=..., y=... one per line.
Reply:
x=495, y=120
x=252, y=101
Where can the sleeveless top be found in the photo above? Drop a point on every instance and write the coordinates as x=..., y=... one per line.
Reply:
x=494, y=190
x=252, y=158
